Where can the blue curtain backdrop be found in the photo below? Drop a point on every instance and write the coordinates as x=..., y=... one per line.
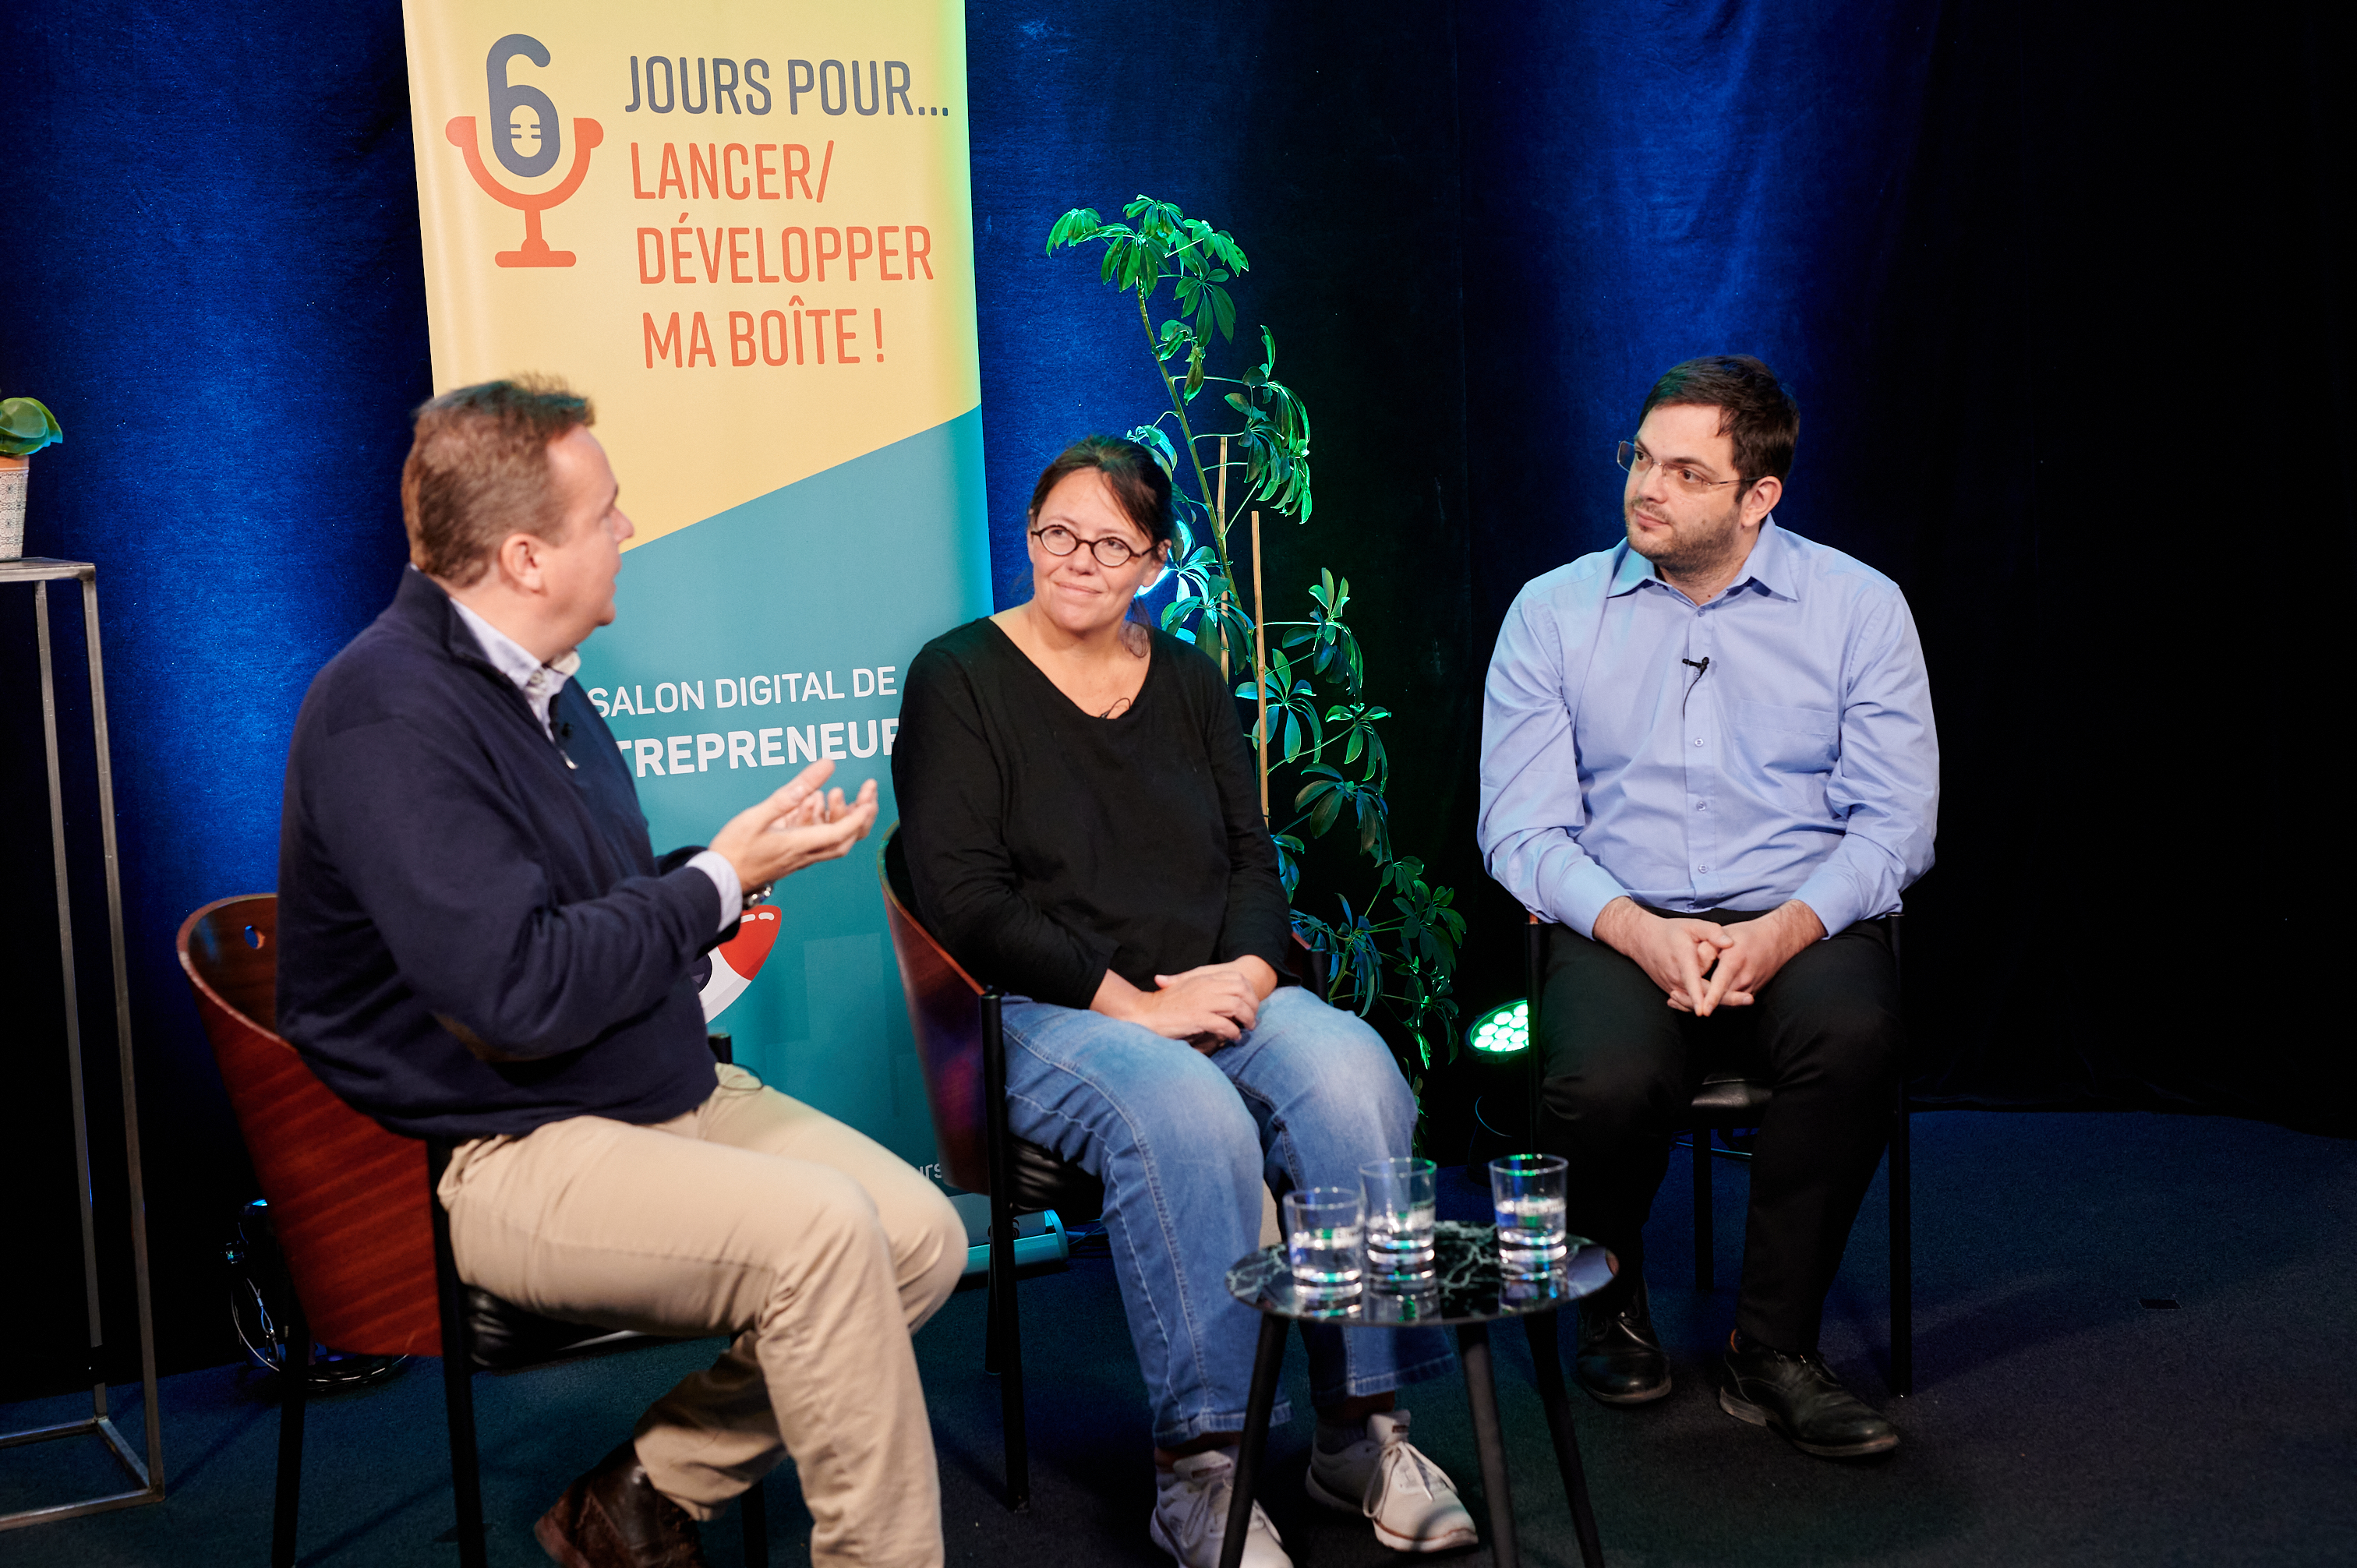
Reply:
x=2061, y=294
x=212, y=277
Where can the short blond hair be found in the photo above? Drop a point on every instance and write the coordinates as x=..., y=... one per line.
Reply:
x=478, y=471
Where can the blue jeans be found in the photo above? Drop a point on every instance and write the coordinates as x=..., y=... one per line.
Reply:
x=1183, y=1143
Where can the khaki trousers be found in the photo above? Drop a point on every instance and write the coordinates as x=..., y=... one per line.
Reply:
x=752, y=1214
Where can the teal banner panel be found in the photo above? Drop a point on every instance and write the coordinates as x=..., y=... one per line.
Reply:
x=762, y=637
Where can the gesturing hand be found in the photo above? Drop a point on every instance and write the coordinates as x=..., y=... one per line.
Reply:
x=797, y=826
x=1674, y=954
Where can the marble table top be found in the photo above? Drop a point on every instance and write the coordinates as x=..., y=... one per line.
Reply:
x=1467, y=1286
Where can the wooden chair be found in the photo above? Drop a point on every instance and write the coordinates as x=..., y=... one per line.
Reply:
x=962, y=1050
x=1729, y=1100
x=366, y=1246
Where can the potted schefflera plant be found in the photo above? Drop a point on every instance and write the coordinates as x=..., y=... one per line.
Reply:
x=26, y=426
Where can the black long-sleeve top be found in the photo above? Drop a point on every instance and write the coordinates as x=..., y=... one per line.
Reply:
x=1046, y=844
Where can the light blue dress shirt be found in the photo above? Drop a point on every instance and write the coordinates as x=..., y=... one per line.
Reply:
x=1800, y=763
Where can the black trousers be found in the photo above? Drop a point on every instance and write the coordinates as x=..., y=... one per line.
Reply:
x=1622, y=1065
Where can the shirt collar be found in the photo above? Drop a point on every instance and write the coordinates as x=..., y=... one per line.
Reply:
x=539, y=682
x=1769, y=564
x=1631, y=569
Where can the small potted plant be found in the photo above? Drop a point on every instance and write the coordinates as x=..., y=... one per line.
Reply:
x=26, y=427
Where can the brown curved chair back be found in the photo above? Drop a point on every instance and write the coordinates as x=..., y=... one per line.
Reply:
x=945, y=1014
x=347, y=1199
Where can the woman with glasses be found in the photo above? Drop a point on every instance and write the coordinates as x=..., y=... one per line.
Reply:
x=1082, y=823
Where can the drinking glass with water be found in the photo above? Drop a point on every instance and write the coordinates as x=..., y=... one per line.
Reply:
x=1526, y=1192
x=1399, y=1217
x=1324, y=1240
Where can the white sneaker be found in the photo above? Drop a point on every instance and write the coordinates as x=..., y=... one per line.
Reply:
x=1383, y=1476
x=1191, y=1514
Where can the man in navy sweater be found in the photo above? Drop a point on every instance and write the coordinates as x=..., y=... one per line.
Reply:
x=477, y=943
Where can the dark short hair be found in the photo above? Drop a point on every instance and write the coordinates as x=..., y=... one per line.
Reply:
x=1139, y=486
x=478, y=471
x=1754, y=409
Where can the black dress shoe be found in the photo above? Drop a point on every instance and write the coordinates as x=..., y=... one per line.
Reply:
x=1799, y=1398
x=614, y=1517
x=1619, y=1359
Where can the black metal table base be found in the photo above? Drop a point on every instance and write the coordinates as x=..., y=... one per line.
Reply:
x=1548, y=1355
x=1488, y=1439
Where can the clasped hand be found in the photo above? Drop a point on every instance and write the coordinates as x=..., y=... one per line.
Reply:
x=799, y=825
x=1702, y=965
x=1207, y=1007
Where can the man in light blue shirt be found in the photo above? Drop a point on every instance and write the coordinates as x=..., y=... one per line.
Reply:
x=1708, y=752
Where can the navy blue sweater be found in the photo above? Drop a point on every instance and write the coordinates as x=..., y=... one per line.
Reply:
x=473, y=937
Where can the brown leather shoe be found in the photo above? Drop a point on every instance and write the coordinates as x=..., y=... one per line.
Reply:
x=614, y=1517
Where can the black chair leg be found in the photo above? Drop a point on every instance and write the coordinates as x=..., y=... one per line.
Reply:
x=1902, y=1254
x=1902, y=1203
x=755, y=1511
x=294, y=1376
x=1268, y=1359
x=1546, y=1354
x=1703, y=1244
x=1010, y=1360
x=1533, y=979
x=1488, y=1440
x=457, y=1371
x=1006, y=1333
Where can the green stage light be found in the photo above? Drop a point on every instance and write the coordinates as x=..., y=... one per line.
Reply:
x=1502, y=1030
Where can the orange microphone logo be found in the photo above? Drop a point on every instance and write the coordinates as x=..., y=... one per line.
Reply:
x=527, y=138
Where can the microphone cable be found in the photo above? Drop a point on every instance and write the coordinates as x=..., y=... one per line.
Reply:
x=1700, y=671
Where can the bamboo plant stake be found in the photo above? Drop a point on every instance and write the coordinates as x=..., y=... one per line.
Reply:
x=1221, y=523
x=1260, y=669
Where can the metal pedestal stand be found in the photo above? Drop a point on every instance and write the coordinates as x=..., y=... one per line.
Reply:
x=148, y=1473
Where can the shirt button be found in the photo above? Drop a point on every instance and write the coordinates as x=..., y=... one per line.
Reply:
x=1697, y=740
x=1702, y=868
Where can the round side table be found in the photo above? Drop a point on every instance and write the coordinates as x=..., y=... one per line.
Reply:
x=1467, y=1295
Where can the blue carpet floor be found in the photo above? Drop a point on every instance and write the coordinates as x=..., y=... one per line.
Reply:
x=2058, y=1420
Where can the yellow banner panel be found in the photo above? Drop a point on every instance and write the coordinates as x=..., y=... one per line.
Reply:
x=746, y=231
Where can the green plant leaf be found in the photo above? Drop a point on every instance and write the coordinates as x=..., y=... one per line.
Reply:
x=1079, y=224
x=1226, y=307
x=1323, y=817
x=26, y=426
x=1155, y=440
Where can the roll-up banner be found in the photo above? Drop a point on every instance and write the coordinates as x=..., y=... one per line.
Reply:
x=746, y=231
